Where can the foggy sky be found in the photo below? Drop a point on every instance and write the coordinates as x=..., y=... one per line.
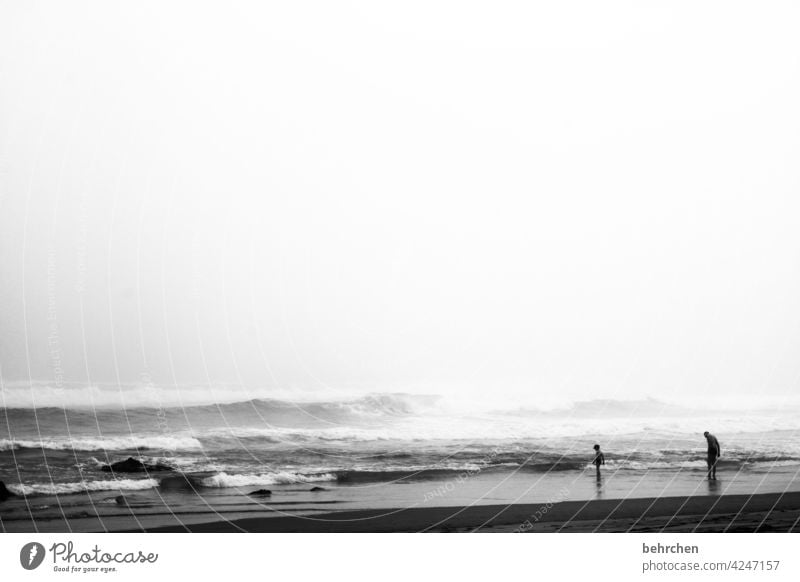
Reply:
x=490, y=199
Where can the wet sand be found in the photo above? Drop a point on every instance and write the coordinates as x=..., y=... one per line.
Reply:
x=486, y=502
x=727, y=513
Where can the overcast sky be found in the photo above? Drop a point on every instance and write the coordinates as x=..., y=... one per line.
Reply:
x=491, y=199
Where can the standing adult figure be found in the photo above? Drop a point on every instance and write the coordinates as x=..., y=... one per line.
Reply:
x=714, y=453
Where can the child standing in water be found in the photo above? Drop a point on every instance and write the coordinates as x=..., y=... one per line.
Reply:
x=599, y=459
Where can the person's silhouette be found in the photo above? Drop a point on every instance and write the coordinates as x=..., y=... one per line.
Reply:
x=599, y=459
x=714, y=453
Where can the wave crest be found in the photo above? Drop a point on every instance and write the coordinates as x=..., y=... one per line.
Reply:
x=104, y=443
x=82, y=486
x=278, y=478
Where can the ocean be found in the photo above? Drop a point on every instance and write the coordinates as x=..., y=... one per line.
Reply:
x=366, y=447
x=374, y=438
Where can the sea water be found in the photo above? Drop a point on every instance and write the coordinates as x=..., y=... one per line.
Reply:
x=385, y=449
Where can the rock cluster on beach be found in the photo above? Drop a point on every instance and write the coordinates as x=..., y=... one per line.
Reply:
x=131, y=465
x=4, y=493
x=132, y=500
x=261, y=492
x=267, y=492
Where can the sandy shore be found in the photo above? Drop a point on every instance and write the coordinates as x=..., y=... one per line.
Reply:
x=486, y=502
x=731, y=513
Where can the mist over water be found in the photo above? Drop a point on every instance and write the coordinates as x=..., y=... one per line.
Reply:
x=416, y=217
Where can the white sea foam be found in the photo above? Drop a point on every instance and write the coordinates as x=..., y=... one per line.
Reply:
x=82, y=486
x=682, y=431
x=277, y=478
x=104, y=443
x=339, y=433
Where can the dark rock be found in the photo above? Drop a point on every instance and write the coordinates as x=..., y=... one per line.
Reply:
x=131, y=465
x=4, y=493
x=132, y=501
x=180, y=482
x=318, y=489
x=261, y=492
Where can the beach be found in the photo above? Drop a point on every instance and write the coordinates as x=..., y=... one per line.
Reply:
x=489, y=501
x=765, y=512
x=729, y=513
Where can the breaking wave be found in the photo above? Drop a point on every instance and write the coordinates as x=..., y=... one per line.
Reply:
x=104, y=444
x=41, y=396
x=82, y=486
x=279, y=478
